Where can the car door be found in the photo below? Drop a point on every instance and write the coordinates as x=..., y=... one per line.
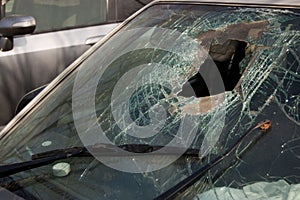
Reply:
x=64, y=30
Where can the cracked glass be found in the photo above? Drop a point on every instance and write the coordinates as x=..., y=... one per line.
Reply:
x=155, y=80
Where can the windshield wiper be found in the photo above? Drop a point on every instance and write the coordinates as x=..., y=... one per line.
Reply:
x=193, y=178
x=45, y=158
x=9, y=169
x=48, y=157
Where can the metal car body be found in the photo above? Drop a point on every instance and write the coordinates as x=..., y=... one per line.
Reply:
x=184, y=100
x=64, y=30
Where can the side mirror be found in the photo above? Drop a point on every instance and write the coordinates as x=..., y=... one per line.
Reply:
x=27, y=98
x=14, y=25
x=17, y=25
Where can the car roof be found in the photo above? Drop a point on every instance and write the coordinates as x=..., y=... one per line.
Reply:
x=254, y=2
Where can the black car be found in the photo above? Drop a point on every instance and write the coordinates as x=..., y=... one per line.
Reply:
x=186, y=100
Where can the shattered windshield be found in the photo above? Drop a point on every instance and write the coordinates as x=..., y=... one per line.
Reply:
x=180, y=77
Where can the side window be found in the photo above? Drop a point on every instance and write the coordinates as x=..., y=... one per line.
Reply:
x=61, y=14
x=8, y=6
x=125, y=8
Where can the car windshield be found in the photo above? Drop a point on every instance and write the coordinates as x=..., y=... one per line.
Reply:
x=176, y=76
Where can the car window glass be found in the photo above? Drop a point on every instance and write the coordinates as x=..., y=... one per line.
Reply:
x=125, y=8
x=164, y=43
x=55, y=15
x=8, y=6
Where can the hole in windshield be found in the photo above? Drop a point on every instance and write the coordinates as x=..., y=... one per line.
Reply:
x=227, y=58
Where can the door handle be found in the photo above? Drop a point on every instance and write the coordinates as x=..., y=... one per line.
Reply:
x=93, y=40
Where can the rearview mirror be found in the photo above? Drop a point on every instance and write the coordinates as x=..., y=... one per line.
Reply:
x=17, y=25
x=14, y=25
